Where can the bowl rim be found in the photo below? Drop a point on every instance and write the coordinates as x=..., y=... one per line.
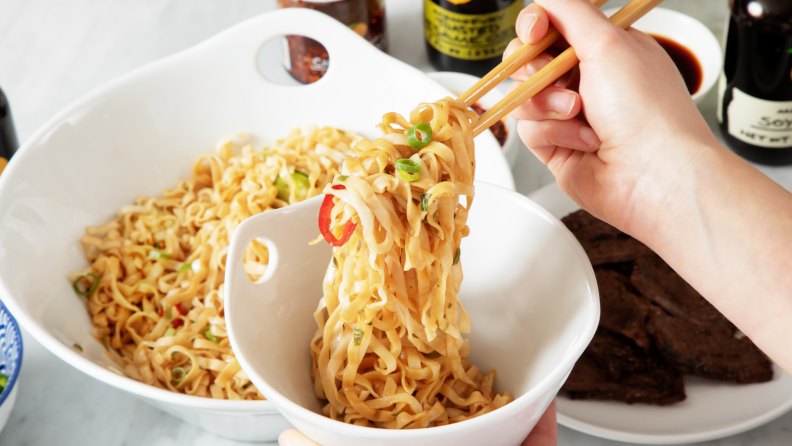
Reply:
x=21, y=348
x=691, y=26
x=556, y=376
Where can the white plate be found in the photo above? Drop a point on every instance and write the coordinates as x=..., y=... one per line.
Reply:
x=712, y=409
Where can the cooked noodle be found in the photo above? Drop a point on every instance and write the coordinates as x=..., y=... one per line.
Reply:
x=158, y=306
x=388, y=351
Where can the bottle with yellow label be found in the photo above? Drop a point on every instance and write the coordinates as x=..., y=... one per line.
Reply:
x=8, y=139
x=469, y=35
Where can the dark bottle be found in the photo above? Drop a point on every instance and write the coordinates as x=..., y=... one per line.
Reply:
x=755, y=94
x=8, y=138
x=469, y=35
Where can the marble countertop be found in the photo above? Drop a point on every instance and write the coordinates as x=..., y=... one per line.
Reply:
x=54, y=51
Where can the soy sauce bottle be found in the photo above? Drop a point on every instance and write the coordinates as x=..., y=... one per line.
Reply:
x=469, y=35
x=8, y=138
x=755, y=94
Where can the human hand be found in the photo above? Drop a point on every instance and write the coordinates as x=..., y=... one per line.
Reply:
x=545, y=433
x=640, y=134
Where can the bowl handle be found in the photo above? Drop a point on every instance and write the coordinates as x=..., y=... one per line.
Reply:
x=238, y=46
x=286, y=232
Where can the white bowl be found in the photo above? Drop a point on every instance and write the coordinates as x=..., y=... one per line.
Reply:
x=690, y=33
x=529, y=288
x=141, y=134
x=458, y=83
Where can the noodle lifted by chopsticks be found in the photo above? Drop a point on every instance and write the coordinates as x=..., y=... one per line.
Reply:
x=388, y=351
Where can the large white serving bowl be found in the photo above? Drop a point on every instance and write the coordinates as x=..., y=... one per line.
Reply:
x=141, y=134
x=529, y=288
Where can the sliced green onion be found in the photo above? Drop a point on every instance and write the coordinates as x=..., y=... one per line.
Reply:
x=78, y=347
x=395, y=413
x=335, y=263
x=246, y=385
x=157, y=245
x=168, y=313
x=425, y=202
x=184, y=268
x=342, y=178
x=104, y=339
x=408, y=165
x=178, y=374
x=424, y=131
x=449, y=305
x=424, y=221
x=170, y=331
x=300, y=180
x=433, y=355
x=90, y=290
x=174, y=354
x=459, y=253
x=407, y=176
x=158, y=255
x=3, y=382
x=448, y=325
x=435, y=215
x=358, y=335
x=208, y=335
x=369, y=322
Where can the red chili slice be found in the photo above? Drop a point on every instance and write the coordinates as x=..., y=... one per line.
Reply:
x=325, y=221
x=177, y=322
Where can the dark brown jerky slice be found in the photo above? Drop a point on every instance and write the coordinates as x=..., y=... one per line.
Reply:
x=659, y=283
x=616, y=354
x=622, y=312
x=659, y=384
x=602, y=242
x=708, y=352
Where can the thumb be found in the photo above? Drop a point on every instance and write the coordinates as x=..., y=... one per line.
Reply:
x=583, y=25
x=292, y=437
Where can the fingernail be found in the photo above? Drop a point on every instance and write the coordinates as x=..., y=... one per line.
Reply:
x=284, y=440
x=527, y=24
x=537, y=64
x=561, y=102
x=590, y=137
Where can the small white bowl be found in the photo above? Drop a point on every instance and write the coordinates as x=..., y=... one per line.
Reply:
x=458, y=83
x=691, y=34
x=529, y=288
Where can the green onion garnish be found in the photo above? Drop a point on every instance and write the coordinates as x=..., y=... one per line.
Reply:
x=185, y=267
x=435, y=215
x=358, y=335
x=90, y=290
x=408, y=165
x=78, y=347
x=300, y=180
x=424, y=221
x=178, y=374
x=157, y=245
x=335, y=263
x=208, y=335
x=395, y=413
x=342, y=178
x=168, y=313
x=448, y=325
x=425, y=202
x=449, y=305
x=369, y=322
x=246, y=385
x=170, y=331
x=104, y=339
x=424, y=131
x=459, y=253
x=158, y=255
x=433, y=355
x=407, y=176
x=3, y=382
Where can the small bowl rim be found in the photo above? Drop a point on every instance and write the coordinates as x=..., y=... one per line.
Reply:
x=694, y=26
x=12, y=379
x=555, y=377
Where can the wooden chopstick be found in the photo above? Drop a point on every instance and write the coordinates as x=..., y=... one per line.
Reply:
x=522, y=56
x=626, y=16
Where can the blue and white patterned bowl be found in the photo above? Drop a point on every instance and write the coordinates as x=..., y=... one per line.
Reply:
x=10, y=361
